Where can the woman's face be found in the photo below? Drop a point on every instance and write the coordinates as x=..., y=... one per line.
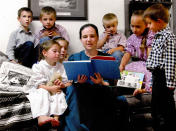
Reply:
x=89, y=38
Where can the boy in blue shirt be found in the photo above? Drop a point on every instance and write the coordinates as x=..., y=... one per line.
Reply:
x=20, y=48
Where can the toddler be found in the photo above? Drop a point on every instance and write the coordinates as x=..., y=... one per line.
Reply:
x=112, y=41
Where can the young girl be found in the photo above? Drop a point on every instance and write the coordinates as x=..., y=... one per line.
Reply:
x=138, y=47
x=48, y=102
x=64, y=47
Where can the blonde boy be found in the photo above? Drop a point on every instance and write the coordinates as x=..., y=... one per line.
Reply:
x=162, y=63
x=50, y=29
x=112, y=41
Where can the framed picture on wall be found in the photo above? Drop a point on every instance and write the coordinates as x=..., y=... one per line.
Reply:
x=65, y=9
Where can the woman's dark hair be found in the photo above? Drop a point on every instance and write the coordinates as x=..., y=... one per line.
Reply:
x=88, y=25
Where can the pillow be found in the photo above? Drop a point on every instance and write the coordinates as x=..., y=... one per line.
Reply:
x=14, y=77
x=3, y=57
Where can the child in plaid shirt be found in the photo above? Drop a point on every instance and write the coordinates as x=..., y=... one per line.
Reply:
x=162, y=63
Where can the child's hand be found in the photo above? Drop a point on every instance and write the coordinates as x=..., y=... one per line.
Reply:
x=138, y=91
x=50, y=33
x=110, y=51
x=55, y=89
x=107, y=34
x=82, y=78
x=121, y=68
x=55, y=33
x=13, y=61
x=59, y=83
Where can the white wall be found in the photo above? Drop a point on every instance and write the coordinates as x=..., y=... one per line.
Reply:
x=96, y=10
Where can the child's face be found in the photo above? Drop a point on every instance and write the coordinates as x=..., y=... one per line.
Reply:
x=48, y=20
x=138, y=25
x=153, y=25
x=64, y=47
x=111, y=26
x=25, y=18
x=52, y=55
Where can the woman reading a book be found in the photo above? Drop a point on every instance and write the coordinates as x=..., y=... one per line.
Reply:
x=94, y=102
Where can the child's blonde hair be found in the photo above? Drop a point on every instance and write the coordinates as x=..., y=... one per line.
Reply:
x=157, y=11
x=61, y=38
x=48, y=10
x=109, y=17
x=46, y=46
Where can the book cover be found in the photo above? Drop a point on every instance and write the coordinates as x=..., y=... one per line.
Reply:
x=131, y=79
x=103, y=58
x=107, y=68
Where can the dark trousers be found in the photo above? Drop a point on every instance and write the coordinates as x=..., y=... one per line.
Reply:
x=163, y=105
x=26, y=54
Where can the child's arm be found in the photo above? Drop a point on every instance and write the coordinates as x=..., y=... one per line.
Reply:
x=120, y=48
x=11, y=47
x=149, y=50
x=103, y=40
x=124, y=61
x=52, y=89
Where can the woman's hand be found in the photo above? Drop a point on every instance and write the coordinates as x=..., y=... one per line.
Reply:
x=82, y=78
x=98, y=79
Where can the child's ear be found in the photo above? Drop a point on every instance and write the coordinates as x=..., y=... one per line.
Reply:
x=44, y=52
x=104, y=26
x=18, y=18
x=159, y=21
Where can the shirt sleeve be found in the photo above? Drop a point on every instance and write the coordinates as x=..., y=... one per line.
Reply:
x=38, y=78
x=129, y=46
x=122, y=40
x=64, y=33
x=170, y=64
x=11, y=46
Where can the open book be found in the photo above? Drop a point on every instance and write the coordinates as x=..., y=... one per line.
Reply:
x=107, y=66
x=131, y=79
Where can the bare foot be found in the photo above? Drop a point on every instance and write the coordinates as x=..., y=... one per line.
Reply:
x=55, y=122
x=44, y=119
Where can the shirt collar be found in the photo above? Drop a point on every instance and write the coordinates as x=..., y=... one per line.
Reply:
x=52, y=28
x=163, y=31
x=21, y=29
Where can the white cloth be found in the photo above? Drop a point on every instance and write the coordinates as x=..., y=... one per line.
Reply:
x=42, y=102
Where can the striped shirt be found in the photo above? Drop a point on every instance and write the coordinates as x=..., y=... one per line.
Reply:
x=57, y=28
x=114, y=41
x=163, y=55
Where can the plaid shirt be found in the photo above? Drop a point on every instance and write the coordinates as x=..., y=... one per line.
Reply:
x=163, y=55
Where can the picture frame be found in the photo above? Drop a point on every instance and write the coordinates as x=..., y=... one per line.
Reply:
x=65, y=9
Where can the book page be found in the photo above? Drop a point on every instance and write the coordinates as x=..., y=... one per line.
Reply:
x=131, y=79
